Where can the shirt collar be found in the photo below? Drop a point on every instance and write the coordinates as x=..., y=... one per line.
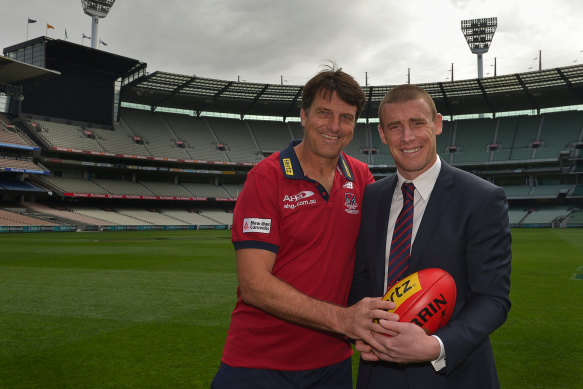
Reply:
x=291, y=168
x=426, y=181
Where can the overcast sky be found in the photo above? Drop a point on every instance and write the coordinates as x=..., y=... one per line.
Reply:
x=263, y=40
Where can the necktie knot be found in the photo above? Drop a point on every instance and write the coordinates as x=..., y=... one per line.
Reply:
x=408, y=190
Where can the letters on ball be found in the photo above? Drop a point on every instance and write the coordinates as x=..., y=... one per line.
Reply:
x=426, y=298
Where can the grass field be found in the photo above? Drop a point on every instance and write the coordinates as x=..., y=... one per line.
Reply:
x=151, y=309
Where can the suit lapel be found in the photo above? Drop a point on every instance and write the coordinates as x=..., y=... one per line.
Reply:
x=440, y=196
x=382, y=222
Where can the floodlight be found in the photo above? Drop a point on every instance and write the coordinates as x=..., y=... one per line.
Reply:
x=479, y=34
x=96, y=9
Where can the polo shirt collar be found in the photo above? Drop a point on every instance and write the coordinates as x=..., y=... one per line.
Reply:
x=291, y=168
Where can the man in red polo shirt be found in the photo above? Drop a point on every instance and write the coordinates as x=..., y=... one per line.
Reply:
x=294, y=230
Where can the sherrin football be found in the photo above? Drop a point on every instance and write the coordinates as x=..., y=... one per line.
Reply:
x=426, y=298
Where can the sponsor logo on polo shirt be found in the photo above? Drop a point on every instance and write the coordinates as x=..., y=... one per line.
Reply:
x=348, y=185
x=287, y=165
x=302, y=195
x=252, y=224
x=298, y=199
x=350, y=203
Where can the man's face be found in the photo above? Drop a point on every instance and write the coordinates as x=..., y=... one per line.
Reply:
x=328, y=125
x=410, y=132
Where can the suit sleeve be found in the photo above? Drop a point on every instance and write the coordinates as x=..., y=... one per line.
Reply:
x=361, y=282
x=487, y=261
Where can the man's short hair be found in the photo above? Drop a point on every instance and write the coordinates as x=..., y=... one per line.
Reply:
x=404, y=93
x=332, y=80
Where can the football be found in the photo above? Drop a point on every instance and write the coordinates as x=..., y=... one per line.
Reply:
x=426, y=298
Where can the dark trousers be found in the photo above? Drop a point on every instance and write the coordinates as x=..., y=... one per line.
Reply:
x=337, y=376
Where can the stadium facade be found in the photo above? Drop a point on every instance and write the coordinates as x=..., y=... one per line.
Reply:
x=91, y=140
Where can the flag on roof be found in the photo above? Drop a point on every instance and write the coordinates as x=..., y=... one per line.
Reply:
x=66, y=36
x=86, y=36
x=102, y=42
x=31, y=20
x=49, y=26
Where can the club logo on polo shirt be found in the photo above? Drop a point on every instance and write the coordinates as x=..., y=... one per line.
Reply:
x=252, y=224
x=350, y=203
x=298, y=199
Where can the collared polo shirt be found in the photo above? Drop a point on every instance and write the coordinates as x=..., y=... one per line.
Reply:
x=314, y=234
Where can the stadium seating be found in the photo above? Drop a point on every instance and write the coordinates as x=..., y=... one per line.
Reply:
x=65, y=214
x=575, y=219
x=205, y=190
x=474, y=142
x=165, y=189
x=14, y=163
x=190, y=218
x=475, y=135
x=73, y=185
x=159, y=139
x=270, y=136
x=66, y=135
x=219, y=217
x=21, y=186
x=120, y=140
x=515, y=216
x=359, y=146
x=199, y=140
x=14, y=137
x=558, y=133
x=546, y=215
x=236, y=138
x=8, y=218
x=525, y=134
x=232, y=190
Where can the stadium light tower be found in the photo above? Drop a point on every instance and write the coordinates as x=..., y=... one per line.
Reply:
x=479, y=34
x=97, y=9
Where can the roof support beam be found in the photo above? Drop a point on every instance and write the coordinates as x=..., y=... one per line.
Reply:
x=255, y=100
x=486, y=99
x=215, y=97
x=527, y=93
x=174, y=92
x=293, y=103
x=368, y=103
x=576, y=92
x=445, y=100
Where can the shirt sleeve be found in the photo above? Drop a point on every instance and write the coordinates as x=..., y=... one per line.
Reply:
x=256, y=215
x=439, y=363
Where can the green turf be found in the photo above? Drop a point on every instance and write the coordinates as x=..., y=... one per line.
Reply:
x=151, y=309
x=114, y=310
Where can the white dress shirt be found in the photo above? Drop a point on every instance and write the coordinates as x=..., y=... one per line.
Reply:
x=423, y=187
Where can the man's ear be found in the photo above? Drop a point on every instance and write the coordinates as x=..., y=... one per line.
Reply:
x=382, y=134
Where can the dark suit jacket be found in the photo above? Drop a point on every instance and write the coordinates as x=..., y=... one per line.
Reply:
x=464, y=231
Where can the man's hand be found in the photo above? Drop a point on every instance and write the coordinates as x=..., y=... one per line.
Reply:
x=407, y=343
x=357, y=321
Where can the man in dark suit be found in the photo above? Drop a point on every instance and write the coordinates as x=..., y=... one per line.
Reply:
x=460, y=224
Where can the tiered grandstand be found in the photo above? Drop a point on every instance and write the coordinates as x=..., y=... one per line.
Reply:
x=173, y=151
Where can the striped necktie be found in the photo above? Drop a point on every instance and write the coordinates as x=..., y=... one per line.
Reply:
x=401, y=242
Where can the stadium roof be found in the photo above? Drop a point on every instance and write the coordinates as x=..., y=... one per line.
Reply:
x=68, y=57
x=12, y=71
x=523, y=91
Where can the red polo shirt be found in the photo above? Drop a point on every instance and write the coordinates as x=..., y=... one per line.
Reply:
x=314, y=235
